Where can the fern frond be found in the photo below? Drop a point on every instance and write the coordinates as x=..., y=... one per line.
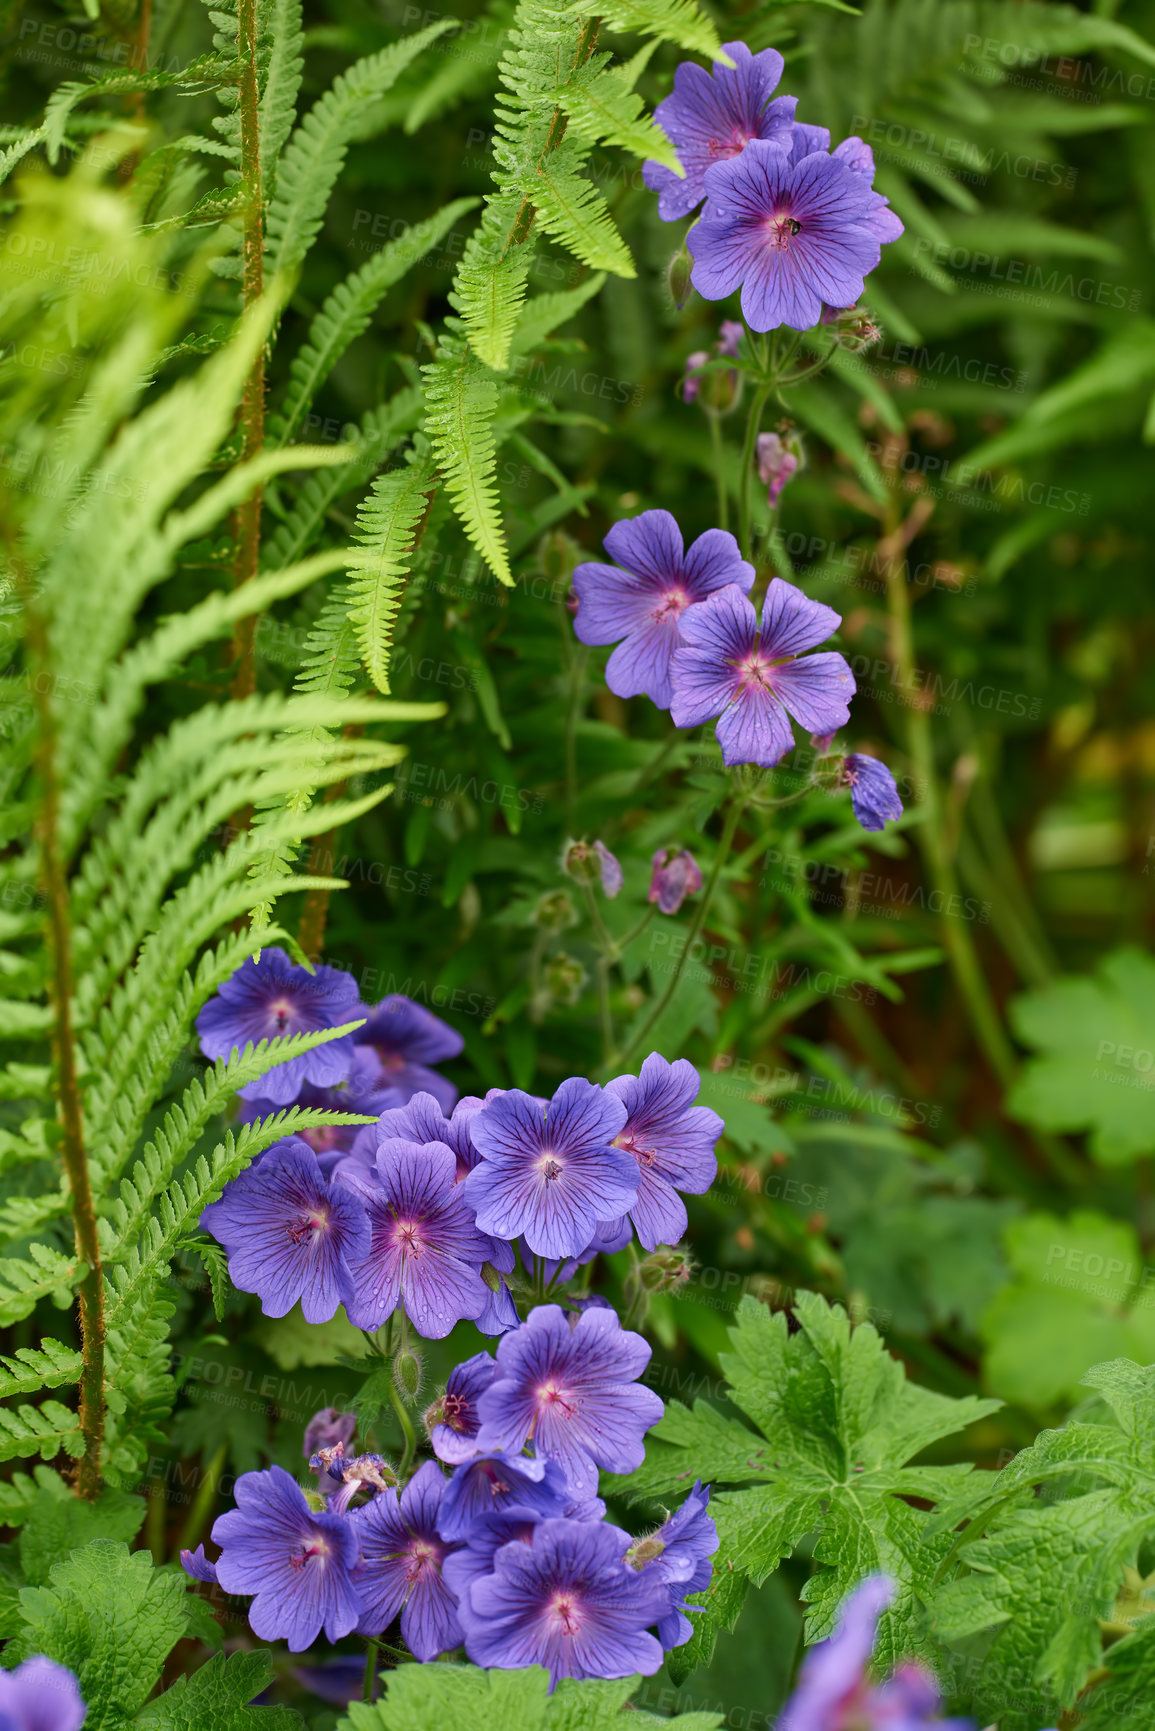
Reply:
x=679, y=21
x=461, y=395
x=207, y=72
x=32, y=1369
x=47, y=1274
x=602, y=107
x=315, y=154
x=19, y=1494
x=542, y=315
x=15, y=152
x=574, y=212
x=386, y=534
x=489, y=294
x=46, y=1430
x=280, y=65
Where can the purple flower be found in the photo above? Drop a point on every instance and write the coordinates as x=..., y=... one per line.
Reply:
x=407, y=1039
x=753, y=679
x=672, y=1141
x=422, y=1249
x=550, y=1174
x=402, y=1553
x=611, y=871
x=272, y=998
x=833, y=1690
x=679, y=1554
x=475, y=1559
x=454, y=1420
x=573, y=1389
x=327, y=1428
x=40, y=1695
x=196, y=1564
x=497, y=1483
x=639, y=607
x=776, y=464
x=793, y=235
x=673, y=877
x=290, y=1233
x=359, y=1092
x=298, y=1563
x=708, y=119
x=564, y=1600
x=873, y=793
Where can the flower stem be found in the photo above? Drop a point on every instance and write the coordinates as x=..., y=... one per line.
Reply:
x=718, y=448
x=746, y=477
x=247, y=517
x=607, y=948
x=730, y=829
x=369, y=1687
x=202, y=1503
x=407, y=1431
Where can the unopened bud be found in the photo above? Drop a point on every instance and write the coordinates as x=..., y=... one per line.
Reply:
x=491, y=1277
x=665, y=1270
x=557, y=554
x=555, y=911
x=644, y=1551
x=565, y=978
x=407, y=1373
x=678, y=276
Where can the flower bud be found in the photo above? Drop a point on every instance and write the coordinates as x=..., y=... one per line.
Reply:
x=408, y=1372
x=555, y=911
x=644, y=1551
x=565, y=978
x=665, y=1270
x=678, y=276
x=777, y=459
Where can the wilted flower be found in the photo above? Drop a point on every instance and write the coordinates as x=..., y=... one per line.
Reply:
x=776, y=463
x=555, y=911
x=873, y=791
x=564, y=978
x=585, y=863
x=673, y=877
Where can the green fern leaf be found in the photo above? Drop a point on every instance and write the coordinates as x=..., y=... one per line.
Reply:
x=575, y=213
x=544, y=313
x=47, y=1274
x=489, y=294
x=208, y=72
x=315, y=154
x=45, y=1430
x=32, y=1369
x=678, y=21
x=603, y=108
x=281, y=63
x=386, y=534
x=462, y=404
x=348, y=310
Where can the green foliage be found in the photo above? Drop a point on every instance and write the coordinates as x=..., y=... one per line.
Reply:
x=417, y=1699
x=838, y=1427
x=218, y=1695
x=1094, y=1068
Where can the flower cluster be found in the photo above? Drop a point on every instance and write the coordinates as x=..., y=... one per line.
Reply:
x=380, y=1064
x=689, y=638
x=510, y=1555
x=427, y=1212
x=796, y=226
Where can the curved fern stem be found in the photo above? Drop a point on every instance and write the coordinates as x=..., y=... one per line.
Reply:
x=247, y=517
x=91, y=1290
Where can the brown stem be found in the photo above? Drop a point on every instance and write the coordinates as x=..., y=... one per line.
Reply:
x=247, y=517
x=91, y=1291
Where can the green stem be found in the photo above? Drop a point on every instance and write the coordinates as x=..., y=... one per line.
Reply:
x=407, y=1431
x=573, y=714
x=90, y=1294
x=718, y=451
x=607, y=948
x=369, y=1687
x=730, y=829
x=746, y=477
x=247, y=517
x=203, y=1501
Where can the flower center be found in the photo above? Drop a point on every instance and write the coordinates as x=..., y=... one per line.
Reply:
x=564, y=1612
x=391, y=1061
x=456, y=1412
x=497, y=1485
x=408, y=1236
x=672, y=605
x=734, y=145
x=629, y=1144
x=424, y=1559
x=754, y=668
x=548, y=1166
x=551, y=1398
x=781, y=229
x=316, y=1546
x=307, y=1226
x=281, y=1011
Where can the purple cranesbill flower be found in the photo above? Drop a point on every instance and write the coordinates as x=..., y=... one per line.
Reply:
x=299, y=1563
x=564, y=1600
x=327, y=1428
x=610, y=870
x=776, y=464
x=638, y=606
x=40, y=1695
x=454, y=1420
x=272, y=999
x=708, y=119
x=679, y=1554
x=496, y=1483
x=486, y=1537
x=880, y=219
x=834, y=1693
x=196, y=1564
x=402, y=1553
x=290, y=1233
x=359, y=1092
x=792, y=235
x=550, y=1174
x=407, y=1039
x=754, y=677
x=873, y=792
x=673, y=877
x=672, y=1141
x=423, y=1249
x=572, y=1389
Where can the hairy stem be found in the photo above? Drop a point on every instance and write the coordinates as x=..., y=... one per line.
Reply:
x=730, y=829
x=718, y=451
x=90, y=1295
x=247, y=517
x=746, y=476
x=407, y=1432
x=203, y=1502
